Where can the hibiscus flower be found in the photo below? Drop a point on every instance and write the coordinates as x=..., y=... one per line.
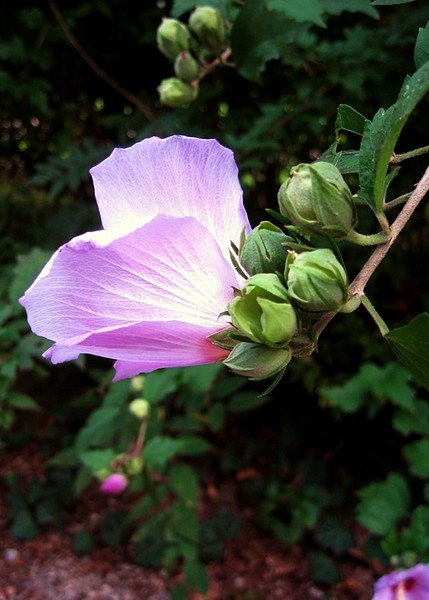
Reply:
x=151, y=286
x=410, y=584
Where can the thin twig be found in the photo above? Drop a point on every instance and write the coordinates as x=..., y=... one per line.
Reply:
x=358, y=284
x=397, y=158
x=97, y=69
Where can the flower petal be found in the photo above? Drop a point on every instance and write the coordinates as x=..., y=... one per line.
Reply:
x=177, y=176
x=107, y=283
x=144, y=347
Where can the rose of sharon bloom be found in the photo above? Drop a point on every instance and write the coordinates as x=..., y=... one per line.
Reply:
x=148, y=289
x=114, y=484
x=411, y=584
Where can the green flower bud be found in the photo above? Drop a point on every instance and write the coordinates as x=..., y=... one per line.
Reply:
x=263, y=252
x=137, y=384
x=134, y=465
x=316, y=280
x=140, y=408
x=186, y=67
x=207, y=24
x=257, y=361
x=317, y=199
x=172, y=38
x=176, y=93
x=263, y=312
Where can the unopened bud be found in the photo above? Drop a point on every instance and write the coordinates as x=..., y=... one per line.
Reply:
x=140, y=408
x=134, y=465
x=263, y=312
x=207, y=24
x=176, y=93
x=257, y=361
x=186, y=67
x=114, y=484
x=316, y=199
x=264, y=250
x=316, y=280
x=172, y=38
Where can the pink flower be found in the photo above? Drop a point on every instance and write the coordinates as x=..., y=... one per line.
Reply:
x=148, y=289
x=114, y=484
x=411, y=584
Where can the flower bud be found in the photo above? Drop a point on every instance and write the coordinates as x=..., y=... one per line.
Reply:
x=134, y=465
x=257, y=361
x=137, y=384
x=186, y=67
x=207, y=24
x=176, y=93
x=264, y=250
x=316, y=199
x=263, y=312
x=172, y=38
x=114, y=484
x=316, y=280
x=140, y=408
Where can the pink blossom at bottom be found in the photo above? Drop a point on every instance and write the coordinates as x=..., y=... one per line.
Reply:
x=409, y=584
x=150, y=288
x=114, y=484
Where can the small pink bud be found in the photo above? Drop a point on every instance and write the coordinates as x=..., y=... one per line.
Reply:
x=114, y=484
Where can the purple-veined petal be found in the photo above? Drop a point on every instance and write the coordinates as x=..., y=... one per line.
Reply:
x=147, y=346
x=108, y=293
x=408, y=584
x=177, y=176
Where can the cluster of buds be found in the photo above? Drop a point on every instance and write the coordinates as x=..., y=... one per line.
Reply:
x=189, y=47
x=291, y=284
x=116, y=477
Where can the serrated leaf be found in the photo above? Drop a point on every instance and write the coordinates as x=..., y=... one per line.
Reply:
x=324, y=569
x=417, y=456
x=310, y=10
x=97, y=459
x=336, y=7
x=260, y=35
x=421, y=50
x=411, y=345
x=383, y=504
x=28, y=266
x=380, y=137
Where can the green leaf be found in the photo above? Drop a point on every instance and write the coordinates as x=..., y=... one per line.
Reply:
x=185, y=483
x=411, y=345
x=421, y=50
x=413, y=420
x=332, y=534
x=159, y=450
x=417, y=456
x=380, y=137
x=21, y=401
x=260, y=35
x=196, y=576
x=336, y=7
x=24, y=526
x=99, y=428
x=389, y=2
x=349, y=119
x=324, y=569
x=28, y=266
x=247, y=401
x=310, y=10
x=97, y=459
x=383, y=504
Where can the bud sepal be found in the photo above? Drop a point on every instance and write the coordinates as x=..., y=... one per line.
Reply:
x=172, y=38
x=208, y=27
x=257, y=361
x=264, y=250
x=176, y=93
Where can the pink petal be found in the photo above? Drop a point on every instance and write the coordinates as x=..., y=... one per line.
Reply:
x=132, y=296
x=177, y=176
x=145, y=347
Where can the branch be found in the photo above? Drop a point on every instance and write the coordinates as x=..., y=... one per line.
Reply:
x=142, y=107
x=358, y=284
